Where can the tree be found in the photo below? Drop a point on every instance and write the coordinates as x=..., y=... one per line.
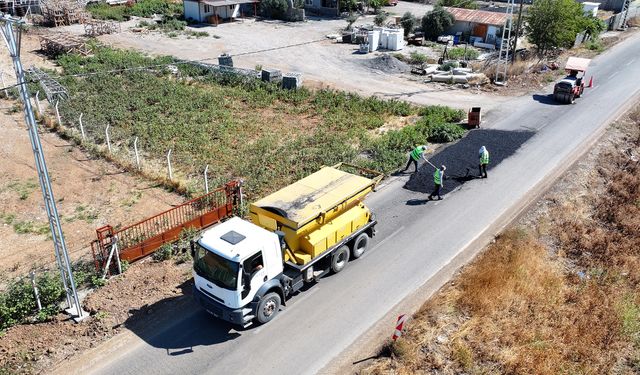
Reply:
x=554, y=23
x=408, y=22
x=593, y=26
x=436, y=22
x=380, y=18
x=274, y=8
x=467, y=4
x=375, y=4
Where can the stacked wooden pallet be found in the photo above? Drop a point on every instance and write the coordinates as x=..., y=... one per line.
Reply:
x=93, y=28
x=56, y=44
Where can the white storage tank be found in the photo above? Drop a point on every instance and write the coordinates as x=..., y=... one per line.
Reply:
x=395, y=41
x=373, y=37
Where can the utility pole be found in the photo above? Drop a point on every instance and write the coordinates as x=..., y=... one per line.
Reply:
x=12, y=32
x=515, y=43
x=502, y=67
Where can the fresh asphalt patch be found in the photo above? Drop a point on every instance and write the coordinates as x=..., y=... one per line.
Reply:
x=461, y=159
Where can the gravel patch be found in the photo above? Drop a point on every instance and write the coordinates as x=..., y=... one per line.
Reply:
x=387, y=64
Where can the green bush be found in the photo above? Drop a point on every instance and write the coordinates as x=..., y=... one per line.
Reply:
x=380, y=18
x=18, y=302
x=141, y=8
x=458, y=53
x=594, y=45
x=449, y=65
x=408, y=22
x=104, y=11
x=165, y=252
x=442, y=113
x=441, y=133
x=276, y=9
x=417, y=58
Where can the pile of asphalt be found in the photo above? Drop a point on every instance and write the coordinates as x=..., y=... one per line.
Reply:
x=387, y=64
x=461, y=158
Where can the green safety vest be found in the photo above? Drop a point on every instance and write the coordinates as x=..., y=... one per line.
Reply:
x=484, y=158
x=415, y=154
x=437, y=177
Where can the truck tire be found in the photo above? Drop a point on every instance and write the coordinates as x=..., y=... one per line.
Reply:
x=268, y=307
x=572, y=98
x=339, y=259
x=360, y=245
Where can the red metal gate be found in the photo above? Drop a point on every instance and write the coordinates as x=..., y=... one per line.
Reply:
x=144, y=237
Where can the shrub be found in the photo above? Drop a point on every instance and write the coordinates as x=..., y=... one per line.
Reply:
x=442, y=113
x=408, y=22
x=19, y=302
x=449, y=65
x=436, y=22
x=165, y=252
x=380, y=18
x=417, y=58
x=458, y=53
x=441, y=133
x=274, y=8
x=594, y=45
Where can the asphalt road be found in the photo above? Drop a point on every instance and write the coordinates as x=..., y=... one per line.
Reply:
x=416, y=238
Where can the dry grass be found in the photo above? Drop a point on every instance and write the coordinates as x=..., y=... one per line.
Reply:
x=569, y=305
x=634, y=22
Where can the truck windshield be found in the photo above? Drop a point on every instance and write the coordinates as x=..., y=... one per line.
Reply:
x=216, y=269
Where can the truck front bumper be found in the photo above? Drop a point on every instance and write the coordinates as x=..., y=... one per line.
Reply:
x=241, y=316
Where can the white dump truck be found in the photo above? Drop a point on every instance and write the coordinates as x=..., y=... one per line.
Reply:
x=244, y=270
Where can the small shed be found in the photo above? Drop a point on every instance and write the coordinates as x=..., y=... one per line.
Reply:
x=217, y=11
x=483, y=26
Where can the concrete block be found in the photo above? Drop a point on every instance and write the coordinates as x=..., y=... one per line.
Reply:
x=292, y=81
x=271, y=75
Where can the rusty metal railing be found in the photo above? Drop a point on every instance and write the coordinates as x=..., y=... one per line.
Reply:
x=144, y=237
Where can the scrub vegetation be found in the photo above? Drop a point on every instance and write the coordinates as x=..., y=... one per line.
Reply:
x=559, y=297
x=240, y=126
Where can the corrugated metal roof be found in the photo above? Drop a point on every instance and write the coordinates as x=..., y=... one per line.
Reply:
x=478, y=16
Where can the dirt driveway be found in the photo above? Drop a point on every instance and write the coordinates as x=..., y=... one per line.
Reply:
x=323, y=62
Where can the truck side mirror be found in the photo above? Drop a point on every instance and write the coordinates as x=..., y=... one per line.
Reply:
x=193, y=248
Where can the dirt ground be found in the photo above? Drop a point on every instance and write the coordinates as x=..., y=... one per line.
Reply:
x=89, y=192
x=323, y=62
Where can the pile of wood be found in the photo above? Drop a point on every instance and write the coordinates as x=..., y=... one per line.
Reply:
x=93, y=28
x=62, y=12
x=57, y=44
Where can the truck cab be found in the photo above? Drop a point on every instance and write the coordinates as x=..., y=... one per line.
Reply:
x=232, y=262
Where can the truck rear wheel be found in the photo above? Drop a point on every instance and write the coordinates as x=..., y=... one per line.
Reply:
x=360, y=245
x=339, y=259
x=268, y=308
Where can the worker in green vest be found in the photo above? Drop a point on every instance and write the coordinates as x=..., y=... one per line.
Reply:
x=438, y=178
x=414, y=156
x=484, y=161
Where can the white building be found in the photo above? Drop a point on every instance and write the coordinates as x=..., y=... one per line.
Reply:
x=218, y=11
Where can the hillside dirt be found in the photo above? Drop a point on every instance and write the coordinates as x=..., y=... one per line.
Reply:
x=556, y=293
x=89, y=192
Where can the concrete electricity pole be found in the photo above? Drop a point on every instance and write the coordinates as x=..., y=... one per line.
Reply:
x=12, y=31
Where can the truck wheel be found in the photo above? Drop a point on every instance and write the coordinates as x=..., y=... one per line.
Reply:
x=572, y=98
x=268, y=308
x=339, y=259
x=360, y=245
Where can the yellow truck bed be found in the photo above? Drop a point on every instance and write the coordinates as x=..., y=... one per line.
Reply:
x=305, y=200
x=316, y=212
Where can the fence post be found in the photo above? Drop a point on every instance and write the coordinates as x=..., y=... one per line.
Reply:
x=169, y=165
x=135, y=149
x=6, y=93
x=82, y=128
x=206, y=180
x=58, y=114
x=32, y=275
x=38, y=103
x=106, y=132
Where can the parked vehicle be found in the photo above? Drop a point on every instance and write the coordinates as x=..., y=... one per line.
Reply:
x=244, y=271
x=572, y=86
